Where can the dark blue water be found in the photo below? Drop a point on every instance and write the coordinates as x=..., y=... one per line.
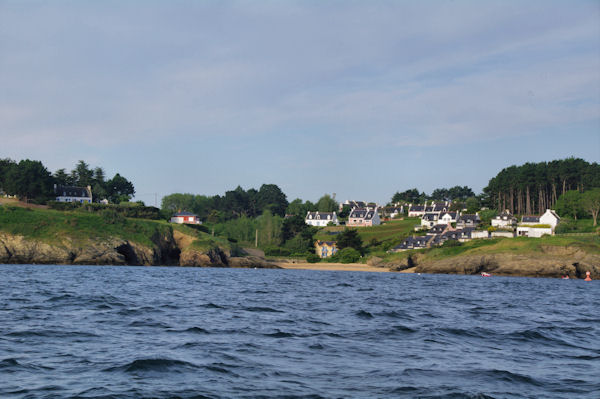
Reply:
x=131, y=332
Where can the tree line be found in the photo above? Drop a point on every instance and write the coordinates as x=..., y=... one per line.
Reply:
x=249, y=203
x=413, y=196
x=32, y=181
x=534, y=187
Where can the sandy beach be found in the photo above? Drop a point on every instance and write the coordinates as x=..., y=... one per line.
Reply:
x=348, y=267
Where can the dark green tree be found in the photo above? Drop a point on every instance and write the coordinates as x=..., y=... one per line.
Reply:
x=569, y=204
x=83, y=174
x=5, y=166
x=270, y=197
x=349, y=238
x=119, y=189
x=327, y=204
x=30, y=180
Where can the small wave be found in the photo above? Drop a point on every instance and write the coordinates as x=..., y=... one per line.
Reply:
x=394, y=315
x=10, y=365
x=344, y=285
x=153, y=364
x=316, y=346
x=363, y=314
x=148, y=323
x=50, y=334
x=279, y=334
x=262, y=309
x=60, y=298
x=196, y=330
x=211, y=305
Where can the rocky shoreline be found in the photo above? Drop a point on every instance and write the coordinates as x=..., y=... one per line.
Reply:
x=165, y=251
x=169, y=250
x=554, y=262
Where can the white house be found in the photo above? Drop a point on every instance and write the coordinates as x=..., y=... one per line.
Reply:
x=363, y=217
x=550, y=217
x=538, y=226
x=185, y=218
x=504, y=220
x=82, y=195
x=449, y=217
x=416, y=210
x=429, y=220
x=320, y=219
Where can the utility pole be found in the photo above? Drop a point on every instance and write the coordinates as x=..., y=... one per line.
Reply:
x=256, y=239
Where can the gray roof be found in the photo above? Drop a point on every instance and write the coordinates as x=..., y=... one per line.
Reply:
x=185, y=214
x=72, y=191
x=531, y=219
x=362, y=213
x=320, y=215
x=430, y=216
x=415, y=242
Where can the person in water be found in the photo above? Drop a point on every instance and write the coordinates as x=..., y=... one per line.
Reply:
x=587, y=276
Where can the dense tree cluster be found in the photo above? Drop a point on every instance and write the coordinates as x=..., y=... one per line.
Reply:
x=232, y=205
x=30, y=180
x=413, y=196
x=535, y=187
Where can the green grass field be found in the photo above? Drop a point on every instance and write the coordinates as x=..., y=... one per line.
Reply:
x=391, y=230
x=55, y=226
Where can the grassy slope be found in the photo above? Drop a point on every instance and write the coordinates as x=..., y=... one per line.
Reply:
x=390, y=231
x=53, y=227
x=519, y=245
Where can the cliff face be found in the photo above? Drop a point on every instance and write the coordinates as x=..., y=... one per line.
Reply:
x=165, y=250
x=551, y=261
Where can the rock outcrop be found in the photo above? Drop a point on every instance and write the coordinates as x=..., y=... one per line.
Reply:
x=165, y=250
x=573, y=263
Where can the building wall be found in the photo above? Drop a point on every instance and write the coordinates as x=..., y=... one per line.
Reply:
x=81, y=200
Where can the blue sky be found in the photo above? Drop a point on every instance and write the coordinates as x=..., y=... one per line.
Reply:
x=361, y=99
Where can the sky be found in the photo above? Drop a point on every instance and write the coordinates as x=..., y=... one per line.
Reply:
x=360, y=99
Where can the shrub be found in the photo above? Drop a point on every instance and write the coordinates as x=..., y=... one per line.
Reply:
x=348, y=255
x=313, y=258
x=451, y=243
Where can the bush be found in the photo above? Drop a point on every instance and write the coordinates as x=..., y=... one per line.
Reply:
x=313, y=258
x=451, y=243
x=277, y=251
x=348, y=255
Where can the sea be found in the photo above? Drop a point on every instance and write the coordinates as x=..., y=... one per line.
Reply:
x=170, y=332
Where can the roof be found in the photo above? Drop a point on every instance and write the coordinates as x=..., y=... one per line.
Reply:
x=418, y=241
x=553, y=213
x=185, y=214
x=466, y=217
x=362, y=213
x=328, y=243
x=72, y=191
x=438, y=228
x=453, y=215
x=417, y=208
x=320, y=215
x=530, y=219
x=430, y=216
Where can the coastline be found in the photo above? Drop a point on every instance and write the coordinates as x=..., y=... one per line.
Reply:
x=346, y=267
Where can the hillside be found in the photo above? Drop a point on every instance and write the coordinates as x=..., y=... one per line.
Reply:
x=387, y=235
x=30, y=235
x=536, y=257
